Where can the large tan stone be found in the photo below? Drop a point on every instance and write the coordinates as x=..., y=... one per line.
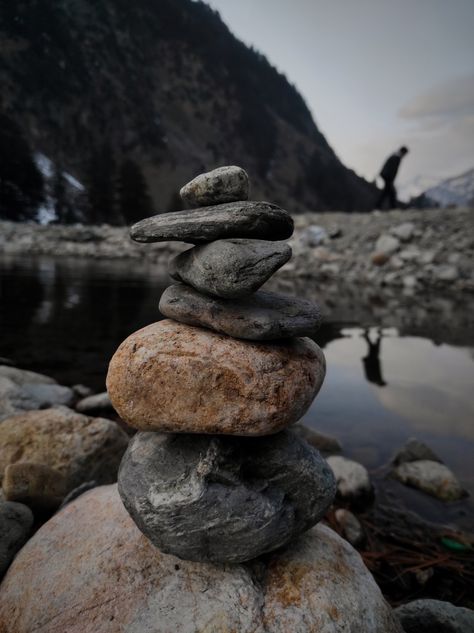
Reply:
x=90, y=570
x=79, y=447
x=173, y=377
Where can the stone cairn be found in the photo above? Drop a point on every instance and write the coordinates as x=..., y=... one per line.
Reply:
x=214, y=474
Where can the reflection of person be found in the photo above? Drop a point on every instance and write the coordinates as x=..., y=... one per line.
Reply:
x=389, y=173
x=372, y=367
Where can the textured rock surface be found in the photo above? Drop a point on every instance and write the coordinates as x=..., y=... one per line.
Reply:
x=431, y=477
x=435, y=616
x=229, y=268
x=224, y=184
x=79, y=447
x=16, y=521
x=258, y=220
x=90, y=570
x=352, y=478
x=35, y=485
x=17, y=395
x=22, y=376
x=176, y=378
x=263, y=316
x=414, y=450
x=223, y=499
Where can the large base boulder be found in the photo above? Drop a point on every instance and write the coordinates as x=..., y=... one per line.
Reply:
x=90, y=570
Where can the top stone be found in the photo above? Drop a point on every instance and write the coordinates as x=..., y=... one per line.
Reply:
x=224, y=184
x=246, y=219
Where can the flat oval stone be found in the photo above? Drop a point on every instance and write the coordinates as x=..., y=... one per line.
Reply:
x=176, y=378
x=223, y=499
x=259, y=220
x=262, y=316
x=229, y=268
x=224, y=184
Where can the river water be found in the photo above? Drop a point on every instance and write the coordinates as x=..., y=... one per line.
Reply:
x=65, y=318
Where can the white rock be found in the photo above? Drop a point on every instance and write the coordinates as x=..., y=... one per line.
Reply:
x=446, y=273
x=352, y=478
x=387, y=244
x=350, y=525
x=314, y=235
x=431, y=477
x=403, y=231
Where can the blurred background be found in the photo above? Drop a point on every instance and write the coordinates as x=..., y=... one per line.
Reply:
x=108, y=107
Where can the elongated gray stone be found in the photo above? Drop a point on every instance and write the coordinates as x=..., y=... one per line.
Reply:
x=262, y=316
x=223, y=499
x=259, y=220
x=224, y=184
x=229, y=268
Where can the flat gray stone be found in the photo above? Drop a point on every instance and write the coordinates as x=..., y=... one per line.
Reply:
x=229, y=268
x=413, y=450
x=16, y=521
x=435, y=616
x=260, y=317
x=431, y=477
x=223, y=499
x=93, y=405
x=224, y=184
x=17, y=396
x=259, y=220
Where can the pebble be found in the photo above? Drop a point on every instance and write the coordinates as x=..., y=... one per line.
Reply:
x=224, y=184
x=262, y=316
x=431, y=477
x=414, y=450
x=256, y=220
x=387, y=244
x=79, y=447
x=446, y=273
x=118, y=580
x=403, y=231
x=35, y=485
x=433, y=616
x=352, y=479
x=350, y=526
x=172, y=377
x=223, y=499
x=16, y=521
x=17, y=396
x=229, y=268
x=96, y=404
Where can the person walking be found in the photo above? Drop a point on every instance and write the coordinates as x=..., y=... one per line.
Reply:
x=389, y=173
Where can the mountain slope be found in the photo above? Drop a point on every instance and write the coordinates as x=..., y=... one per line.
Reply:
x=164, y=85
x=457, y=191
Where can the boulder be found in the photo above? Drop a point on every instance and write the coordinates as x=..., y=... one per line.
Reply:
x=262, y=316
x=223, y=499
x=352, y=479
x=229, y=268
x=257, y=220
x=35, y=485
x=431, y=477
x=176, y=378
x=16, y=521
x=435, y=616
x=224, y=184
x=414, y=450
x=79, y=447
x=90, y=570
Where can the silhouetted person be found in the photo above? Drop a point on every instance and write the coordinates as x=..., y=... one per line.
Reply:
x=389, y=173
x=372, y=368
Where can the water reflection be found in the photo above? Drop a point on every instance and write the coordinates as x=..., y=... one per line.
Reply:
x=371, y=362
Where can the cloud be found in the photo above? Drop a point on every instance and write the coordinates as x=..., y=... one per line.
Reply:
x=448, y=101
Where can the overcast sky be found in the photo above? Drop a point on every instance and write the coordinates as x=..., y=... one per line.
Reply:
x=376, y=74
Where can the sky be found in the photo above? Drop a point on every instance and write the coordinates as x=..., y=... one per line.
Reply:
x=376, y=74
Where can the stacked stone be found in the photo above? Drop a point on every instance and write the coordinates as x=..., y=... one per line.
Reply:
x=214, y=473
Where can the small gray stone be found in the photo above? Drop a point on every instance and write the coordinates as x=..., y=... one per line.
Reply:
x=16, y=521
x=224, y=184
x=350, y=526
x=435, y=616
x=22, y=376
x=99, y=403
x=223, y=499
x=431, y=477
x=414, y=450
x=229, y=268
x=259, y=220
x=17, y=396
x=262, y=316
x=446, y=273
x=387, y=244
x=404, y=231
x=353, y=481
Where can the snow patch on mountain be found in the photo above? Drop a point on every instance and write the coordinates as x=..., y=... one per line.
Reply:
x=455, y=191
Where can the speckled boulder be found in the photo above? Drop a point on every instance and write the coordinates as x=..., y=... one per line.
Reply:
x=176, y=378
x=90, y=570
x=224, y=184
x=223, y=499
x=79, y=447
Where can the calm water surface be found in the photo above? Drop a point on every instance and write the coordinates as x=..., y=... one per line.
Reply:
x=65, y=318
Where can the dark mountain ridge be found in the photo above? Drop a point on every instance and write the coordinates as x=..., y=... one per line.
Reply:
x=134, y=99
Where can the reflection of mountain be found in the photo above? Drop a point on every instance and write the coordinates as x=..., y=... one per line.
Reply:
x=130, y=97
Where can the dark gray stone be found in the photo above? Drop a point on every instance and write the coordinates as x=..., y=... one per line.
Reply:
x=223, y=499
x=16, y=521
x=262, y=316
x=414, y=450
x=229, y=268
x=224, y=184
x=435, y=616
x=259, y=220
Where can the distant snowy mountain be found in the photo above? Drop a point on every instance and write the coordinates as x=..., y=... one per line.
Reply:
x=456, y=191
